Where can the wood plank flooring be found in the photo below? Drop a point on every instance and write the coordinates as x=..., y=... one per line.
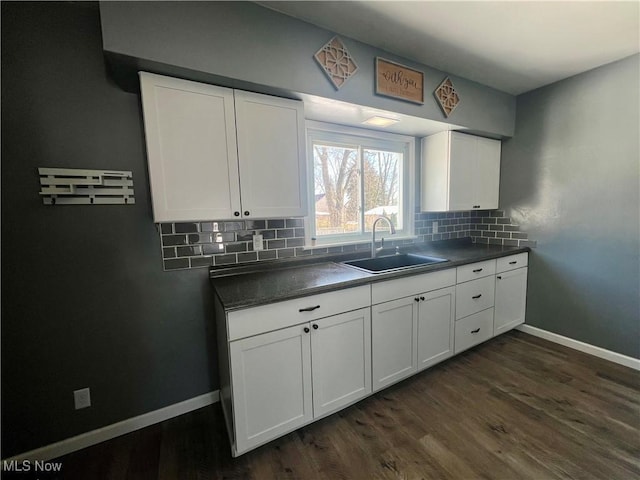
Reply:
x=516, y=407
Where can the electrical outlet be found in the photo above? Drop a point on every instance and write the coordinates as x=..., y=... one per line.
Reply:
x=82, y=398
x=257, y=242
x=435, y=227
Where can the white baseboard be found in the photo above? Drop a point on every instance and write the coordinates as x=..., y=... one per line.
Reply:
x=583, y=347
x=93, y=437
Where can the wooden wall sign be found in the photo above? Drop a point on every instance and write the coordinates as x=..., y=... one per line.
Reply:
x=397, y=81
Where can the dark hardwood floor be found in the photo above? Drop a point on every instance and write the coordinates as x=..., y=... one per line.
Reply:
x=516, y=407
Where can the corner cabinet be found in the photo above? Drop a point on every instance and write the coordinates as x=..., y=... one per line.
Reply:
x=460, y=172
x=217, y=153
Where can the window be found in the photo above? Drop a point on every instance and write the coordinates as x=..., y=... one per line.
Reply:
x=358, y=175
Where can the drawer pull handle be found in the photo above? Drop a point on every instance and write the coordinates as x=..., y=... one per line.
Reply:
x=309, y=309
x=513, y=263
x=477, y=270
x=475, y=331
x=306, y=329
x=315, y=326
x=477, y=296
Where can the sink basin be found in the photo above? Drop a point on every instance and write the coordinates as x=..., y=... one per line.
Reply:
x=393, y=262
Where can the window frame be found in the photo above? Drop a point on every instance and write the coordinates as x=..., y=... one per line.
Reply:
x=363, y=138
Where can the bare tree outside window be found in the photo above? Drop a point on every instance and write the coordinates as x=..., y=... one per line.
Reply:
x=354, y=186
x=381, y=186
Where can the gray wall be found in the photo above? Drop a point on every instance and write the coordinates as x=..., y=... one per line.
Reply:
x=247, y=42
x=85, y=302
x=570, y=178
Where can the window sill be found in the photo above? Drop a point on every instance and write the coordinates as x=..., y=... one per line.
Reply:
x=308, y=246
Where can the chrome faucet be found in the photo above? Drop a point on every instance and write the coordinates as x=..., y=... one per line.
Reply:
x=374, y=250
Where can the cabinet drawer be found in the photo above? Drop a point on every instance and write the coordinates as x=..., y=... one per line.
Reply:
x=473, y=329
x=404, y=287
x=474, y=296
x=512, y=262
x=265, y=318
x=476, y=270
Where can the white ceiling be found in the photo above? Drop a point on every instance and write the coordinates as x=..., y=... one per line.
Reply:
x=513, y=46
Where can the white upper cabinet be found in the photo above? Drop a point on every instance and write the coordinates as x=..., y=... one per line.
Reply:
x=271, y=152
x=191, y=147
x=216, y=153
x=459, y=172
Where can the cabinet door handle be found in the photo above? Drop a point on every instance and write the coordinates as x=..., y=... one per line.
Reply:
x=246, y=213
x=306, y=329
x=499, y=277
x=315, y=326
x=477, y=296
x=416, y=299
x=475, y=331
x=477, y=270
x=476, y=206
x=422, y=298
x=309, y=309
x=513, y=263
x=236, y=214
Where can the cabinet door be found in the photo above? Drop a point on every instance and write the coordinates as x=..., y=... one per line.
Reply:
x=394, y=341
x=271, y=153
x=191, y=149
x=462, y=172
x=487, y=180
x=271, y=382
x=341, y=359
x=511, y=300
x=436, y=319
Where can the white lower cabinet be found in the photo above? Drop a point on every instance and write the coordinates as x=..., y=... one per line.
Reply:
x=341, y=359
x=284, y=379
x=475, y=300
x=285, y=364
x=271, y=384
x=394, y=341
x=436, y=315
x=511, y=300
x=412, y=333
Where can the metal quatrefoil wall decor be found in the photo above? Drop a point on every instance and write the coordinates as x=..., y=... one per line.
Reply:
x=336, y=61
x=447, y=97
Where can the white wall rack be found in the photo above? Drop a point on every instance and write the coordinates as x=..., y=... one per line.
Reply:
x=72, y=186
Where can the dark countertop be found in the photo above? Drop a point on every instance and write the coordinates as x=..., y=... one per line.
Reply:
x=268, y=283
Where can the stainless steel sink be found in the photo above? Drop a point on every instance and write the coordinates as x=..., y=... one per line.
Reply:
x=393, y=262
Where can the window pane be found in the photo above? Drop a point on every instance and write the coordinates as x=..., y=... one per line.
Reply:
x=382, y=187
x=337, y=189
